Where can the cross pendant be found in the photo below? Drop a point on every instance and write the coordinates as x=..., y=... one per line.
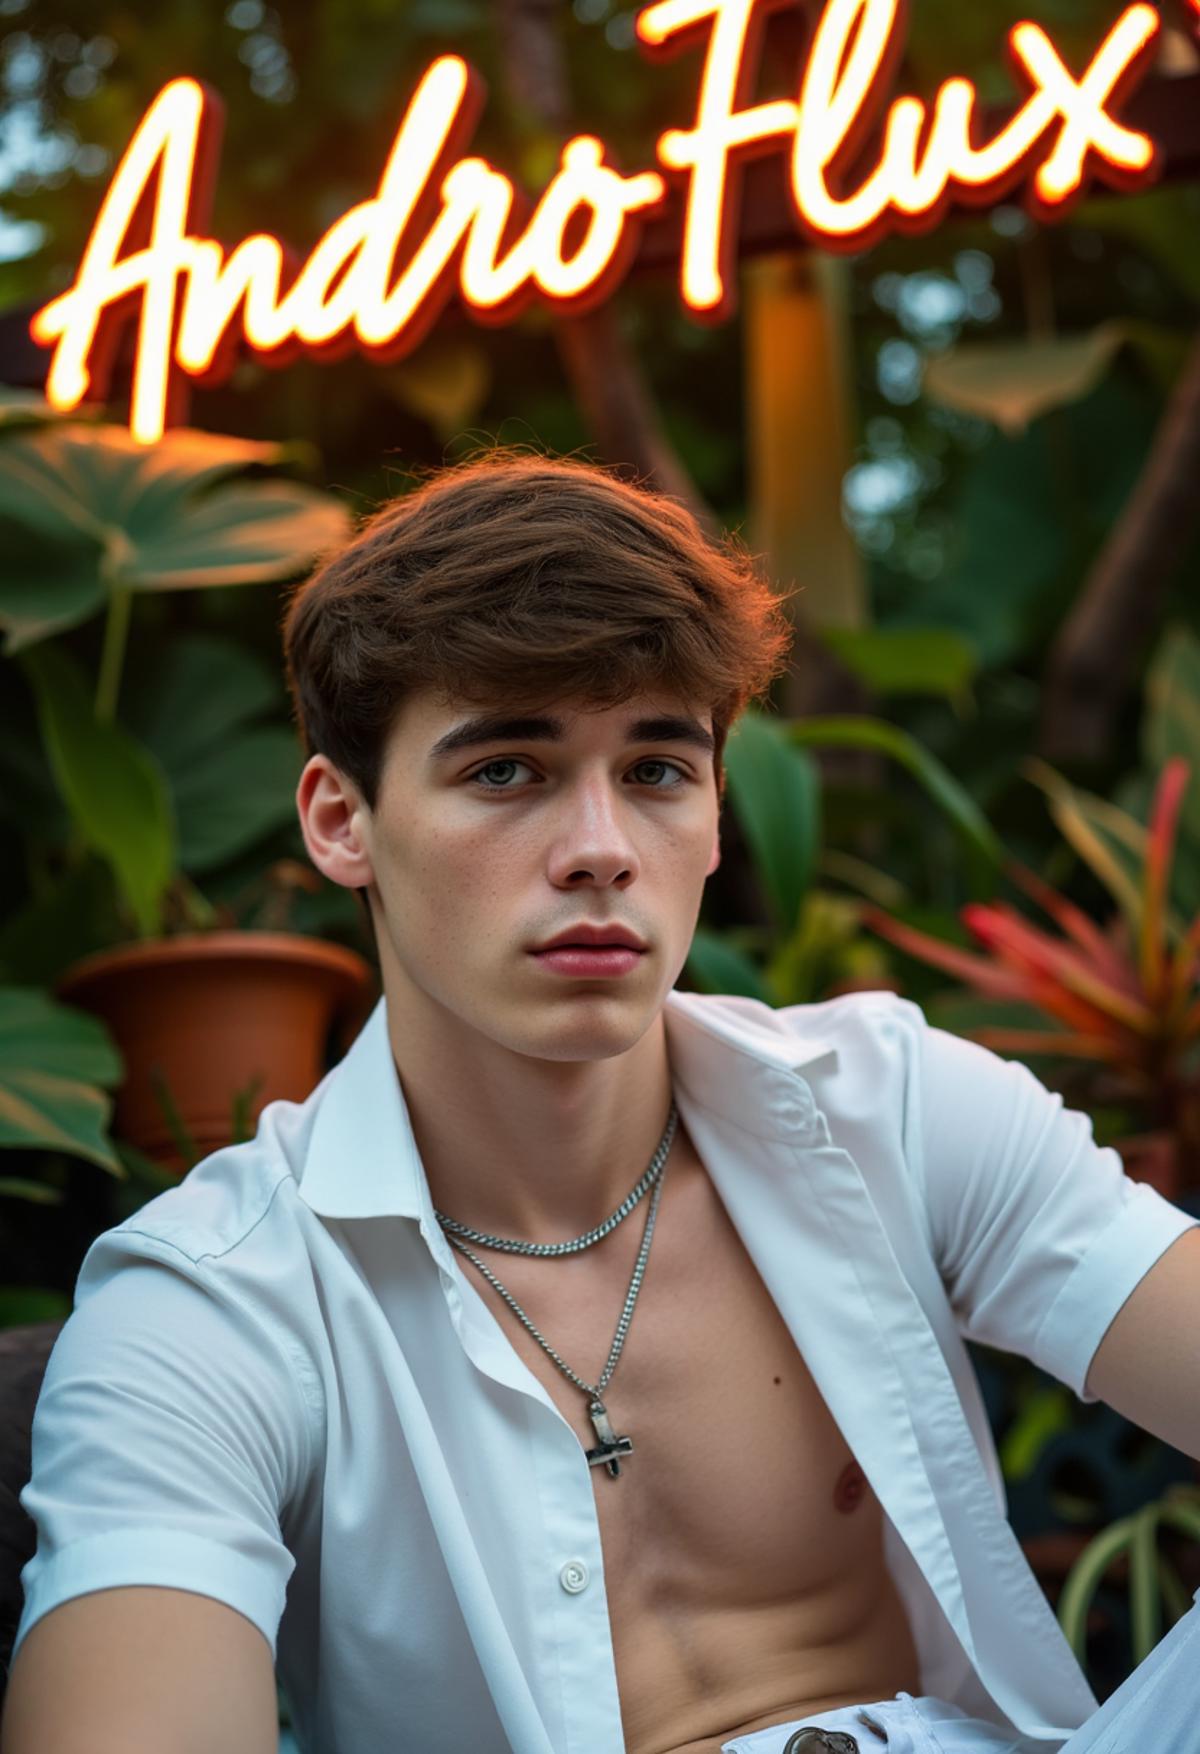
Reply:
x=610, y=1446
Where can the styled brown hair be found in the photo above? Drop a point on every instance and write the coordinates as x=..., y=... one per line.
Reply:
x=515, y=580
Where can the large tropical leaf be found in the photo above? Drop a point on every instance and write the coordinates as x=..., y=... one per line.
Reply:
x=1027, y=514
x=101, y=478
x=905, y=660
x=775, y=792
x=850, y=731
x=236, y=795
x=30, y=408
x=717, y=966
x=113, y=787
x=53, y=1059
x=233, y=782
x=51, y=579
x=144, y=518
x=202, y=689
x=236, y=535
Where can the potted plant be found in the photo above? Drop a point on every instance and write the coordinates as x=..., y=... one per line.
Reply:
x=211, y=1020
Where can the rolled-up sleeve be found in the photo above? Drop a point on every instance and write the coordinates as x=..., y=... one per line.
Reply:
x=171, y=1431
x=1040, y=1235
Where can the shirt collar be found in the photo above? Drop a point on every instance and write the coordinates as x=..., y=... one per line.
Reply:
x=362, y=1160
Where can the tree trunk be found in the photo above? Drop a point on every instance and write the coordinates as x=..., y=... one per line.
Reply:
x=1103, y=639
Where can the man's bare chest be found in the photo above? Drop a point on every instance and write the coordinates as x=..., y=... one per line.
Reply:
x=739, y=1480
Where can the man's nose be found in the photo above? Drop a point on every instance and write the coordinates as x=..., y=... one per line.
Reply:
x=591, y=831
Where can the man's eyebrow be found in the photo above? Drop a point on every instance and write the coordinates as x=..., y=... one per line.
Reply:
x=496, y=728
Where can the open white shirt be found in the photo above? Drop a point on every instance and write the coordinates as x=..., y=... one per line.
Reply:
x=279, y=1388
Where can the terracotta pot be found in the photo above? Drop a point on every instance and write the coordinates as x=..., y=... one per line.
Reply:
x=213, y=1012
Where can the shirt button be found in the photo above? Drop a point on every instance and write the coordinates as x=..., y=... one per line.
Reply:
x=574, y=1576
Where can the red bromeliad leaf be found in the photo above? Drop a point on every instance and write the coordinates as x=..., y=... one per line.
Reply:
x=1000, y=981
x=1075, y=923
x=997, y=983
x=1056, y=1001
x=1003, y=929
x=1160, y=846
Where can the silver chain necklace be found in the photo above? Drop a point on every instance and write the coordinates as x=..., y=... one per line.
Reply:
x=513, y=1247
x=610, y=1447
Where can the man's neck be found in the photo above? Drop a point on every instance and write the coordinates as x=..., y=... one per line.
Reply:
x=527, y=1148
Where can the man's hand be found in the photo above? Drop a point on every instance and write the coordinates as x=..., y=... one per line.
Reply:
x=1147, y=1366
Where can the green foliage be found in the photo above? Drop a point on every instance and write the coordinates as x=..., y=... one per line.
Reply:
x=775, y=793
x=905, y=660
x=22, y=1305
x=1171, y=727
x=878, y=735
x=1152, y=1579
x=1029, y=514
x=1045, y=1412
x=114, y=790
x=716, y=965
x=129, y=518
x=55, y=1064
x=774, y=789
x=93, y=520
x=232, y=781
x=1110, y=835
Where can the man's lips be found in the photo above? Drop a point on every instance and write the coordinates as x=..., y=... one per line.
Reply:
x=618, y=936
x=583, y=959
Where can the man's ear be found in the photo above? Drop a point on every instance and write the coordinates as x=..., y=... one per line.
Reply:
x=331, y=817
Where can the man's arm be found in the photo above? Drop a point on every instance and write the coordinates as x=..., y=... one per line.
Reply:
x=1046, y=1247
x=1147, y=1366
x=171, y=1433
x=142, y=1671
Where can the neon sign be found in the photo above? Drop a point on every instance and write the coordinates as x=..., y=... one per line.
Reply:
x=442, y=223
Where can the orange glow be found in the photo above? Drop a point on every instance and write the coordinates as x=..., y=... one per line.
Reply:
x=927, y=156
x=440, y=223
x=721, y=128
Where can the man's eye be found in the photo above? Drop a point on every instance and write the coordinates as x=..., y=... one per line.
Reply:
x=476, y=778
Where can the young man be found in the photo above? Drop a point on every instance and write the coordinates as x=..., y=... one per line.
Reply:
x=581, y=1367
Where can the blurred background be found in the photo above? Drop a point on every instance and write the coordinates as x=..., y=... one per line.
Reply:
x=977, y=453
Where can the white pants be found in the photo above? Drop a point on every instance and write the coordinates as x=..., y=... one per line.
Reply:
x=1156, y=1710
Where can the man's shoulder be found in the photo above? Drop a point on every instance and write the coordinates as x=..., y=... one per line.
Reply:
x=859, y=1053
x=864, y=1014
x=861, y=1010
x=237, y=1192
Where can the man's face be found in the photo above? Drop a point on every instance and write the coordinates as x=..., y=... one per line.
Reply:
x=480, y=851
